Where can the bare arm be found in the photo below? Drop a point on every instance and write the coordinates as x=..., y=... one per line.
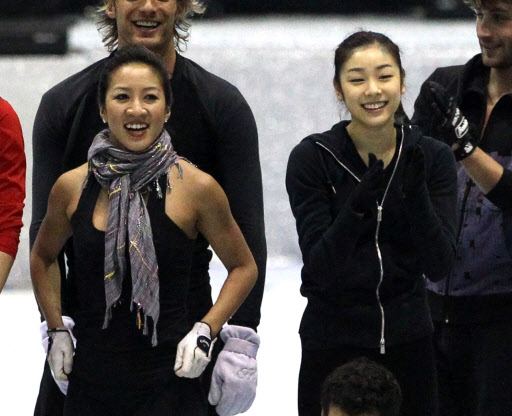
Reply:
x=55, y=230
x=216, y=223
x=6, y=262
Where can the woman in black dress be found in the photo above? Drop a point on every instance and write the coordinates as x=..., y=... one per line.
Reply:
x=134, y=211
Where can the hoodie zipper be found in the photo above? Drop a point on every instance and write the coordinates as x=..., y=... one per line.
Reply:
x=379, y=254
x=382, y=343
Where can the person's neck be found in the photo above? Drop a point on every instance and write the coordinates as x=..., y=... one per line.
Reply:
x=500, y=84
x=380, y=141
x=170, y=61
x=167, y=54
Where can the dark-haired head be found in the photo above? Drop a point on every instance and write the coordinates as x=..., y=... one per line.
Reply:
x=359, y=40
x=130, y=55
x=361, y=387
x=479, y=4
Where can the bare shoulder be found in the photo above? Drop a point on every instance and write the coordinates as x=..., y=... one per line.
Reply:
x=68, y=187
x=72, y=179
x=199, y=183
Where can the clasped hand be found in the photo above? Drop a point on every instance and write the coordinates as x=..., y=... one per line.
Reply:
x=364, y=198
x=413, y=182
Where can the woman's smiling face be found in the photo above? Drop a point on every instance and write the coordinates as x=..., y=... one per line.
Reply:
x=135, y=107
x=371, y=85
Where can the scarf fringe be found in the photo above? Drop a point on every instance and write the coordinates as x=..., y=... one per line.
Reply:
x=145, y=327
x=108, y=317
x=154, y=340
x=180, y=170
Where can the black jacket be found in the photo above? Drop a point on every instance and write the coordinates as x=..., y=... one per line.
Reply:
x=479, y=286
x=341, y=266
x=211, y=125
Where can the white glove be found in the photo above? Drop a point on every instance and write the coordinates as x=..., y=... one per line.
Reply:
x=194, y=351
x=235, y=375
x=69, y=324
x=60, y=353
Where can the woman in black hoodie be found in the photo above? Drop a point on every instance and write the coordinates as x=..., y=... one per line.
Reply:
x=375, y=205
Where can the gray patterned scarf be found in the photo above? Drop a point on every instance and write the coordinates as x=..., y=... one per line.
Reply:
x=124, y=174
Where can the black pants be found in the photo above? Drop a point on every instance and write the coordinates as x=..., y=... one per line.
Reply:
x=412, y=364
x=138, y=382
x=474, y=368
x=51, y=402
x=177, y=397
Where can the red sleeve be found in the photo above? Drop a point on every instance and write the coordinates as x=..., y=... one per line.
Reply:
x=12, y=179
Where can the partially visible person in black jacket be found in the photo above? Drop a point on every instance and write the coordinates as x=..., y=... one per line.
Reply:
x=469, y=107
x=375, y=205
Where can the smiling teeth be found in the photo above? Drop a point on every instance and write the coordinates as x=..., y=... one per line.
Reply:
x=147, y=24
x=136, y=126
x=374, y=106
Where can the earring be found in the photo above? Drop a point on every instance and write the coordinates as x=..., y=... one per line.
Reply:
x=104, y=121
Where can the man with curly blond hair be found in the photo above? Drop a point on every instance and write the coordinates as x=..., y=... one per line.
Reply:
x=108, y=25
x=212, y=126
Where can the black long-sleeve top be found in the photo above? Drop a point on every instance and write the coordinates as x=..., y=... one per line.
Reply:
x=341, y=268
x=211, y=125
x=468, y=85
x=479, y=286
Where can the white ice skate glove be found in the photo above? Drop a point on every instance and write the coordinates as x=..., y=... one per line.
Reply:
x=235, y=374
x=69, y=324
x=60, y=353
x=194, y=351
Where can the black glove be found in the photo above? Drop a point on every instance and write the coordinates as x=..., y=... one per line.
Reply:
x=363, y=199
x=455, y=127
x=414, y=172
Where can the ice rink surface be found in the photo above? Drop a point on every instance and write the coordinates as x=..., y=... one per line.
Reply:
x=283, y=67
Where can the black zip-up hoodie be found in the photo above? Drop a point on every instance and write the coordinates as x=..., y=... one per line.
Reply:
x=342, y=270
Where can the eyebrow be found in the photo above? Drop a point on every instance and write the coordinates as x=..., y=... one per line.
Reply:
x=128, y=88
x=362, y=69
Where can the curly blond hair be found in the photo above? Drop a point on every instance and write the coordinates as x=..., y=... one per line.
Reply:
x=108, y=27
